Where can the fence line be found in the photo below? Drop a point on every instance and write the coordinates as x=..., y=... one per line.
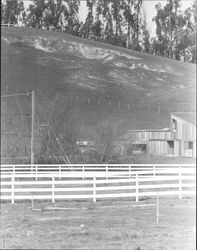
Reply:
x=62, y=168
x=96, y=185
x=110, y=103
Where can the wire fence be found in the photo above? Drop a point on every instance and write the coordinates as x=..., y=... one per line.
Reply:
x=16, y=115
x=108, y=103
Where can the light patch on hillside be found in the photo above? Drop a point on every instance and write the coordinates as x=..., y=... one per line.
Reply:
x=122, y=78
x=91, y=52
x=38, y=44
x=132, y=66
x=63, y=46
x=87, y=85
x=159, y=79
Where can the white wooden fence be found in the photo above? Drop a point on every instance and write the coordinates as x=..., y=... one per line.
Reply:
x=64, y=168
x=54, y=182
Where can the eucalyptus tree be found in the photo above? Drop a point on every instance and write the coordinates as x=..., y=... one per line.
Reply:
x=117, y=9
x=104, y=15
x=71, y=20
x=146, y=45
x=12, y=11
x=35, y=14
x=53, y=15
x=2, y=12
x=175, y=31
x=86, y=29
x=168, y=20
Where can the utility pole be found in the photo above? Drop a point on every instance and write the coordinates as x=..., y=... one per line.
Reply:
x=32, y=126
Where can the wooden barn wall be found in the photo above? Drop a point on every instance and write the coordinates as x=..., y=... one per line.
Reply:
x=146, y=135
x=188, y=131
x=177, y=146
x=185, y=130
x=157, y=148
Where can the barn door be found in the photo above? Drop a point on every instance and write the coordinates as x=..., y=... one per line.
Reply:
x=170, y=147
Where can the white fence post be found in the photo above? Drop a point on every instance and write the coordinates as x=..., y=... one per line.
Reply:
x=137, y=188
x=94, y=189
x=129, y=171
x=180, y=183
x=53, y=189
x=12, y=190
x=36, y=172
x=107, y=172
x=83, y=171
x=59, y=172
x=14, y=169
x=153, y=170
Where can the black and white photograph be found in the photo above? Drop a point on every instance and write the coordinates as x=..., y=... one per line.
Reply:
x=98, y=124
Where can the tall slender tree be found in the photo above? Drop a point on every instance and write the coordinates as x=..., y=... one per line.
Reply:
x=35, y=13
x=12, y=10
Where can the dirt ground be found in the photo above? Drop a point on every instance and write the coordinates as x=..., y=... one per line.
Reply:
x=118, y=224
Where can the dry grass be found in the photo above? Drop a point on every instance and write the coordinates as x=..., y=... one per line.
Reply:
x=111, y=224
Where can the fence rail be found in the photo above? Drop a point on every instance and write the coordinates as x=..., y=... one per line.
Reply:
x=42, y=168
x=132, y=181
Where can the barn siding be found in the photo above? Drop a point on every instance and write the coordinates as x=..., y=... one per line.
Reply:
x=176, y=148
x=157, y=148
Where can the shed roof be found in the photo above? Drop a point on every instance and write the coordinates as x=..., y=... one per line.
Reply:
x=186, y=116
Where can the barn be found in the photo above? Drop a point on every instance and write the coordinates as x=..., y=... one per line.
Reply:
x=183, y=125
x=177, y=141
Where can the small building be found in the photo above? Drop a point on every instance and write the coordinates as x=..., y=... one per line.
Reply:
x=177, y=141
x=85, y=145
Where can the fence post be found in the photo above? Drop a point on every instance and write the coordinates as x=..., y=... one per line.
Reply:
x=53, y=189
x=12, y=190
x=94, y=189
x=154, y=171
x=14, y=169
x=137, y=191
x=180, y=183
x=36, y=172
x=83, y=171
x=129, y=171
x=59, y=172
x=106, y=172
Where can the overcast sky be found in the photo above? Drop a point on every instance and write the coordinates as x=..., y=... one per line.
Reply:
x=148, y=6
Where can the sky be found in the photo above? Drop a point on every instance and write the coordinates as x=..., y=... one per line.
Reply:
x=148, y=7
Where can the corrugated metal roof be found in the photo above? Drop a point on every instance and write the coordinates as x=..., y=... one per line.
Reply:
x=189, y=117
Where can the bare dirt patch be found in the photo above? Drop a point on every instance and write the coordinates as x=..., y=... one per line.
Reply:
x=103, y=225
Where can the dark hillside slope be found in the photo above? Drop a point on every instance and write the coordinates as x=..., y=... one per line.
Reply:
x=100, y=83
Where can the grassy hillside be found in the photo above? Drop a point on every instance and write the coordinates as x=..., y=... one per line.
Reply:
x=89, y=83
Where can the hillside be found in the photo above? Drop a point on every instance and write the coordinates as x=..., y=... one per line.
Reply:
x=91, y=83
